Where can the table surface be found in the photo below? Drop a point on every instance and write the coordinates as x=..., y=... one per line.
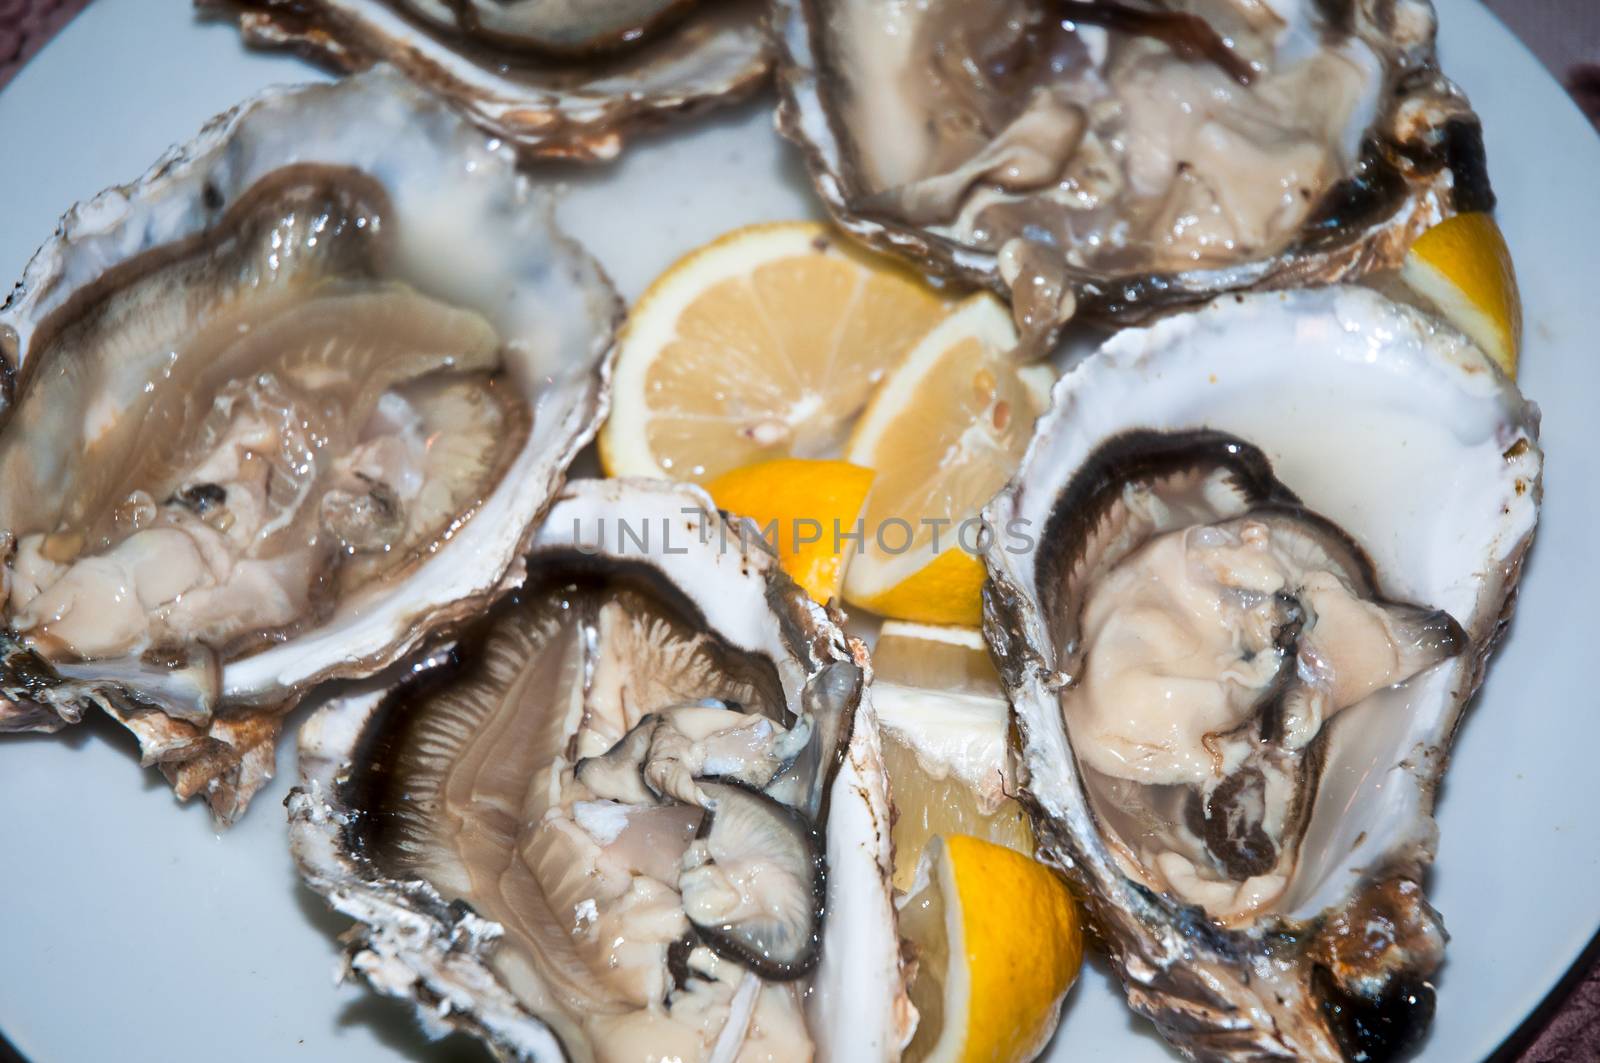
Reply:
x=1564, y=34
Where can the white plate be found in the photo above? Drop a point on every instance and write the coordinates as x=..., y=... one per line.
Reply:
x=129, y=930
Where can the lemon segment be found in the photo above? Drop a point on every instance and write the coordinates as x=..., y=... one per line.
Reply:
x=804, y=510
x=936, y=656
x=946, y=590
x=1463, y=267
x=943, y=722
x=999, y=943
x=765, y=343
x=944, y=433
x=928, y=804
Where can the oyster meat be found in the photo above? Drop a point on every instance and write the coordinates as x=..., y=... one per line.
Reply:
x=638, y=812
x=276, y=412
x=1122, y=157
x=1239, y=604
x=554, y=78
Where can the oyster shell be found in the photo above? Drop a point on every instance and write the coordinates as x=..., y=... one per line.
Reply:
x=562, y=27
x=1118, y=160
x=554, y=79
x=276, y=412
x=1255, y=862
x=606, y=823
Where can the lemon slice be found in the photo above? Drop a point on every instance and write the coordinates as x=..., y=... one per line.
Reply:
x=944, y=433
x=804, y=510
x=1463, y=267
x=943, y=720
x=765, y=343
x=999, y=943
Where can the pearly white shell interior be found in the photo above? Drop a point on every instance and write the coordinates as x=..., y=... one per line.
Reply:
x=856, y=1004
x=471, y=231
x=1399, y=431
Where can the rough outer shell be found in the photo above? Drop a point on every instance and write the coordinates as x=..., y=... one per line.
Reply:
x=502, y=256
x=1361, y=405
x=1429, y=133
x=409, y=943
x=547, y=107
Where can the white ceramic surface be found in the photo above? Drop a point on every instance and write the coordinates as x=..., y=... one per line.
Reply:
x=129, y=930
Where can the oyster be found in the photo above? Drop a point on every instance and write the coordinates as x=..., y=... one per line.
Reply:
x=639, y=812
x=1263, y=590
x=552, y=77
x=1120, y=158
x=559, y=26
x=277, y=411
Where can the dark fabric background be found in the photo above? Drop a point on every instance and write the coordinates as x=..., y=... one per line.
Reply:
x=26, y=24
x=1565, y=34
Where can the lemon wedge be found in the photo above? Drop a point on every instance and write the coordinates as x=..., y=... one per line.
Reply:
x=1463, y=267
x=943, y=718
x=944, y=433
x=804, y=510
x=765, y=343
x=999, y=942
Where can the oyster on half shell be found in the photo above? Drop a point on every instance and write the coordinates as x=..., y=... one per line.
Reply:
x=1275, y=543
x=639, y=812
x=275, y=413
x=1119, y=158
x=554, y=78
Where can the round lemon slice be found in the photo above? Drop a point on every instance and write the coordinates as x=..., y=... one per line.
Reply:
x=804, y=510
x=999, y=943
x=764, y=344
x=944, y=433
x=943, y=718
x=1463, y=267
